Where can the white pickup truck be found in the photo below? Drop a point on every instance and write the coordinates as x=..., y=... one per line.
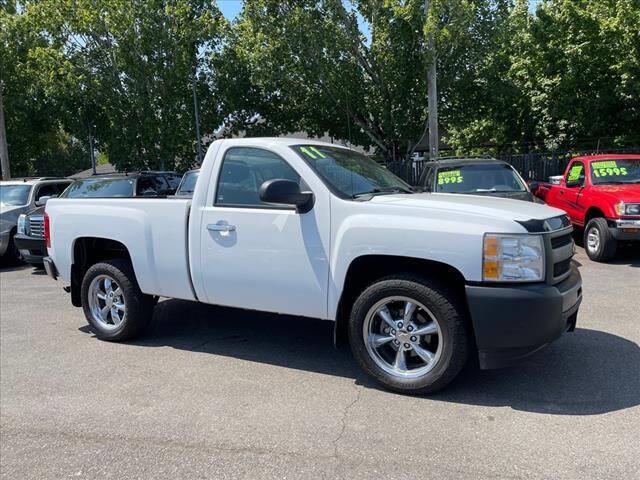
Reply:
x=415, y=282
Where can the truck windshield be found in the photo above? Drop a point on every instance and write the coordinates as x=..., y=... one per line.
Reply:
x=349, y=173
x=100, y=188
x=14, y=195
x=606, y=172
x=478, y=178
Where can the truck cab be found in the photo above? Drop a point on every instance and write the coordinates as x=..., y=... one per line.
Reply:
x=601, y=195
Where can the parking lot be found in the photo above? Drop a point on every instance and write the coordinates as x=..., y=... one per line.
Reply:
x=213, y=392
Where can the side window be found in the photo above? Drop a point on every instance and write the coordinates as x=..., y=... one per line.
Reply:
x=244, y=170
x=49, y=190
x=160, y=184
x=146, y=185
x=174, y=181
x=575, y=176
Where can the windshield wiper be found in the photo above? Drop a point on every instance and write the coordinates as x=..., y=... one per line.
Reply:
x=381, y=191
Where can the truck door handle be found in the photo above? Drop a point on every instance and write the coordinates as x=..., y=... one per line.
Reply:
x=223, y=228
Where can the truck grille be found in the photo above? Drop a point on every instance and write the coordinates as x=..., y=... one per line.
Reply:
x=36, y=227
x=559, y=254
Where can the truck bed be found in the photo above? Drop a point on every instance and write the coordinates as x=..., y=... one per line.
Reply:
x=153, y=230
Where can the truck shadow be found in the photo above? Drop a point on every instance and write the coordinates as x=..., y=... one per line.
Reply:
x=585, y=373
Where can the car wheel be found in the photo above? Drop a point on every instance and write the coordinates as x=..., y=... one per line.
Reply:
x=409, y=334
x=598, y=242
x=113, y=303
x=12, y=255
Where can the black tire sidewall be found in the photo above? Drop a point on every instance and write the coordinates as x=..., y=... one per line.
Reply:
x=607, y=248
x=450, y=320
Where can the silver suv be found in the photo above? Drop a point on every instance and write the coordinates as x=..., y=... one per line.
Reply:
x=18, y=196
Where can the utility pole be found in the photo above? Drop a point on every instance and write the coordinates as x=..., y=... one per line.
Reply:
x=196, y=114
x=432, y=91
x=4, y=151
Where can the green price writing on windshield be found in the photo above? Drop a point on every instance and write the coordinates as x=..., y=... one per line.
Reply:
x=452, y=176
x=575, y=172
x=608, y=169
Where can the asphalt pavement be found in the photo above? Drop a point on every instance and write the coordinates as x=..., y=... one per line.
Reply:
x=212, y=392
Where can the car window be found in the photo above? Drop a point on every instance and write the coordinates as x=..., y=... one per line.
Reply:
x=50, y=190
x=428, y=183
x=160, y=184
x=244, y=170
x=14, y=195
x=188, y=184
x=147, y=186
x=576, y=173
x=100, y=188
x=174, y=180
x=478, y=178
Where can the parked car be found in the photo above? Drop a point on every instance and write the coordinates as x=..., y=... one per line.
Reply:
x=188, y=184
x=18, y=196
x=476, y=176
x=416, y=282
x=601, y=195
x=30, y=230
x=122, y=185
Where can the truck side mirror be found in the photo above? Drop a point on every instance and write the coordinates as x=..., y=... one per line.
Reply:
x=286, y=192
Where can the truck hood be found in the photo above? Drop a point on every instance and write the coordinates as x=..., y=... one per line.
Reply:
x=627, y=193
x=502, y=208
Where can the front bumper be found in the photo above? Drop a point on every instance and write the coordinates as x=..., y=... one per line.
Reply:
x=513, y=321
x=32, y=249
x=625, y=230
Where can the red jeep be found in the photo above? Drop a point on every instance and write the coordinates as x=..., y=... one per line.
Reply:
x=601, y=194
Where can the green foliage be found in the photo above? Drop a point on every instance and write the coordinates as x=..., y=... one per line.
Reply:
x=121, y=71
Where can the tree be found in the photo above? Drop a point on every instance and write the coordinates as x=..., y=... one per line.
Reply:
x=37, y=140
x=122, y=73
x=305, y=65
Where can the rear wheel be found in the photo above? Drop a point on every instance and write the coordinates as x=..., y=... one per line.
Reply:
x=112, y=302
x=409, y=334
x=598, y=241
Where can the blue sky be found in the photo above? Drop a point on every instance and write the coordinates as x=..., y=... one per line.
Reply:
x=231, y=8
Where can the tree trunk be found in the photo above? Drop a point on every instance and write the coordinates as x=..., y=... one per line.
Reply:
x=4, y=151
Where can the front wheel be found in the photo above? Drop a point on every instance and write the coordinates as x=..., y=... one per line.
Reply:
x=113, y=303
x=598, y=241
x=409, y=334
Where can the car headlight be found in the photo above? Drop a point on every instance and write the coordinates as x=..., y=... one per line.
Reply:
x=22, y=224
x=513, y=258
x=627, y=208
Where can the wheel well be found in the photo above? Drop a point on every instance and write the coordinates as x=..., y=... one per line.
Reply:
x=88, y=251
x=367, y=269
x=593, y=212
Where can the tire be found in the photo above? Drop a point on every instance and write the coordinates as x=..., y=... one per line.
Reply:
x=435, y=304
x=598, y=241
x=12, y=256
x=137, y=309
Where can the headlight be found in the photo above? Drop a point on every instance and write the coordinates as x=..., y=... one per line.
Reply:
x=628, y=208
x=513, y=258
x=22, y=222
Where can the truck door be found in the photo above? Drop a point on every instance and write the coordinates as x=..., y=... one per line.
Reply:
x=259, y=256
x=570, y=195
